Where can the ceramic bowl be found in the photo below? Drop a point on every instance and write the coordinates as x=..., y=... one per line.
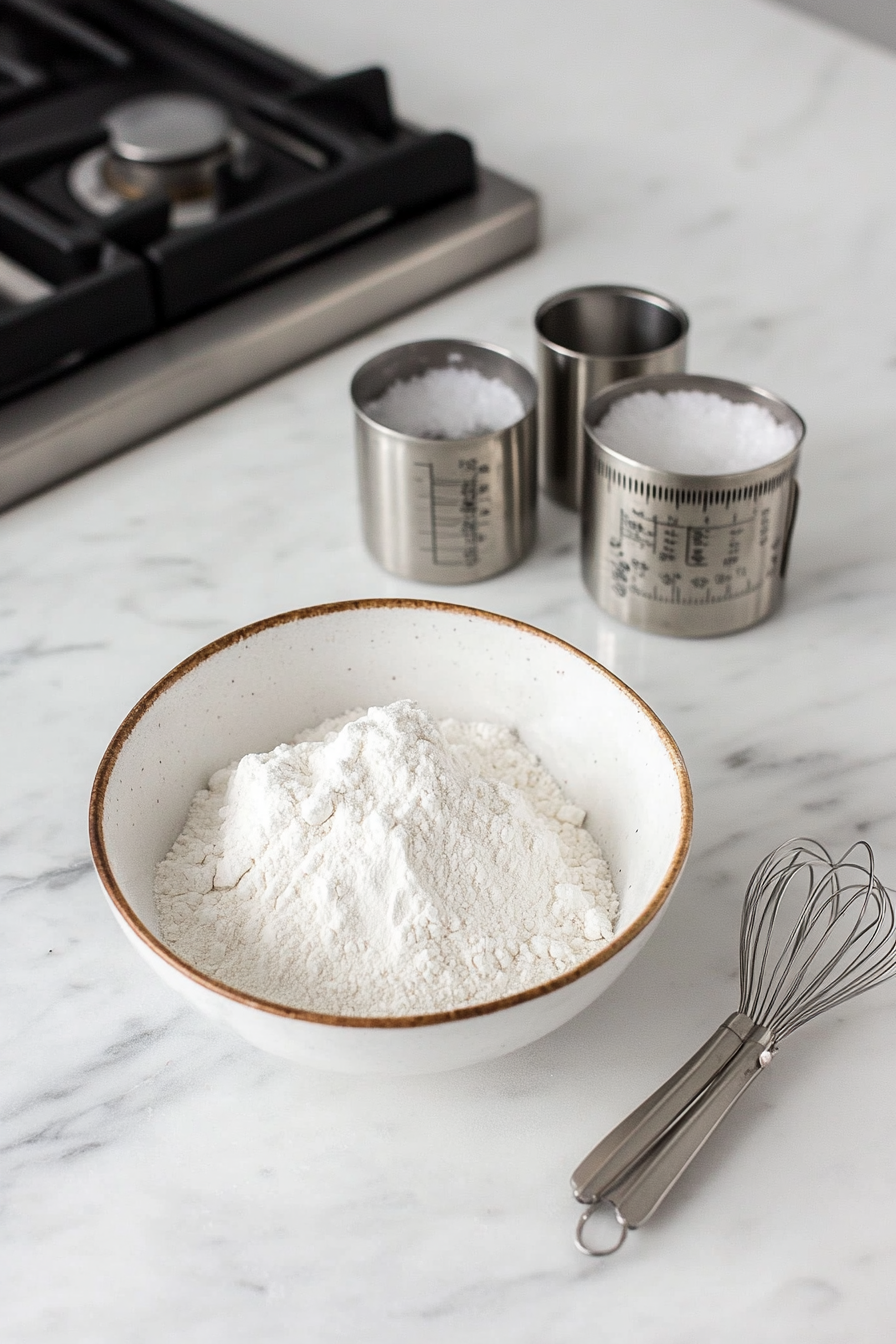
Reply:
x=257, y=687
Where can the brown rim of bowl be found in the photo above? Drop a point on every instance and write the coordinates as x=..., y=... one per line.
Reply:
x=123, y=909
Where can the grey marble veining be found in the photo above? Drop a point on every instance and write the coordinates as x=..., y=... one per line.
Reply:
x=872, y=19
x=164, y=1181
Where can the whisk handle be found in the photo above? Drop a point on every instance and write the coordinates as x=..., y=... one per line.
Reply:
x=641, y=1190
x=639, y=1132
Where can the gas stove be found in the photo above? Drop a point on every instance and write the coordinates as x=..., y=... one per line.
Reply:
x=184, y=213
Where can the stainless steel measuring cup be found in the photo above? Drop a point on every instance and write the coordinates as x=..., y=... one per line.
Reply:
x=446, y=510
x=686, y=555
x=589, y=338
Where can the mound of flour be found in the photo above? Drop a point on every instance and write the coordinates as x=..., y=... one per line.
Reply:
x=385, y=864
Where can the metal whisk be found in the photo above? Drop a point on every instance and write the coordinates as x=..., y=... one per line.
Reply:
x=814, y=932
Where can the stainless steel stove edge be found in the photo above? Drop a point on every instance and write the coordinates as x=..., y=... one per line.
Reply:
x=129, y=396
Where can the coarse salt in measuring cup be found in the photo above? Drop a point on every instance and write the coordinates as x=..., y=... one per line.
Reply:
x=448, y=403
x=446, y=439
x=695, y=433
x=689, y=501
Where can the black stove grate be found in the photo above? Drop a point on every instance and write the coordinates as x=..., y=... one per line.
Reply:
x=321, y=161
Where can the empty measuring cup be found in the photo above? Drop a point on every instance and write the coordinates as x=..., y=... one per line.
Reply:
x=589, y=338
x=445, y=433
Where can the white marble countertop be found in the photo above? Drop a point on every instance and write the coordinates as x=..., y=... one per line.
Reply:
x=164, y=1180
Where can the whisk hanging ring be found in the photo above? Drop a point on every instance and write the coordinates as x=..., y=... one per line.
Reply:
x=585, y=1217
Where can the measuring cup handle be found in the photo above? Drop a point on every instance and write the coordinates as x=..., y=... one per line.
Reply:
x=788, y=530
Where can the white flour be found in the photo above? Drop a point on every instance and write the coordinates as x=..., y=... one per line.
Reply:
x=386, y=864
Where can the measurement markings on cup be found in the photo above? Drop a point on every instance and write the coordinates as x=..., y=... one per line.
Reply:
x=454, y=510
x=666, y=560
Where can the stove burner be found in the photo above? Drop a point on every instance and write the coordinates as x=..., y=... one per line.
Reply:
x=171, y=144
x=167, y=129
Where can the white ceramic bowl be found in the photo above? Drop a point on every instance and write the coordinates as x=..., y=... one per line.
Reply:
x=257, y=687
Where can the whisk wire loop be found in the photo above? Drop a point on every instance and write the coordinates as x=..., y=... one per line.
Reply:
x=841, y=941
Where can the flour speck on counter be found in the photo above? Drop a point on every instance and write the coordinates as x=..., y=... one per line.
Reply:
x=386, y=864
